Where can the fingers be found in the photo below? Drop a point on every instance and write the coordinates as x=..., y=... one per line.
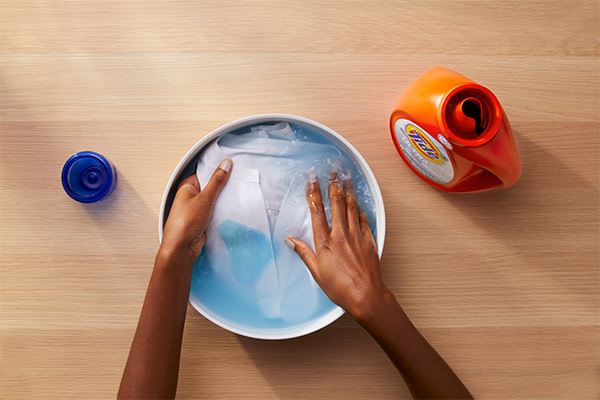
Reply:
x=198, y=244
x=217, y=181
x=338, y=203
x=306, y=254
x=345, y=213
x=352, y=211
x=365, y=229
x=317, y=212
x=191, y=183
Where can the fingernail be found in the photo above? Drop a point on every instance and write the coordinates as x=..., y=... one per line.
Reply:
x=290, y=243
x=312, y=177
x=226, y=164
x=334, y=177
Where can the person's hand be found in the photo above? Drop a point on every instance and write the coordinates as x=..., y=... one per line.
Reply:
x=346, y=264
x=191, y=211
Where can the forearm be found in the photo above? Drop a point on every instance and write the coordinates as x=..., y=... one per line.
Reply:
x=426, y=374
x=153, y=364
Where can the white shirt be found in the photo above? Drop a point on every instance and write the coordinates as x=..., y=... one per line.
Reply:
x=262, y=204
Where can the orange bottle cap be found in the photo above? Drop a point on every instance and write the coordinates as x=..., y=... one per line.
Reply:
x=471, y=115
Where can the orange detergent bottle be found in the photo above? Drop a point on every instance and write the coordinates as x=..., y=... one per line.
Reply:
x=454, y=134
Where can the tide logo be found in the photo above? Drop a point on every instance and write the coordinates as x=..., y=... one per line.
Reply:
x=419, y=140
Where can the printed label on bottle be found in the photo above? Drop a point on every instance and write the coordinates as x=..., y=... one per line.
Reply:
x=425, y=153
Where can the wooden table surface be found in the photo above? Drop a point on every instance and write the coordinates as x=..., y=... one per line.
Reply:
x=505, y=284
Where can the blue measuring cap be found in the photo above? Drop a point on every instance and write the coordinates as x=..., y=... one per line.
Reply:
x=89, y=177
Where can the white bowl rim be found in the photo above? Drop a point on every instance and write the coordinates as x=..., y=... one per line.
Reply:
x=191, y=155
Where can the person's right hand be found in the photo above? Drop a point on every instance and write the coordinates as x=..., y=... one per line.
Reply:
x=346, y=264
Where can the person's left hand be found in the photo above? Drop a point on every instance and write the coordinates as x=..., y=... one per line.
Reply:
x=191, y=211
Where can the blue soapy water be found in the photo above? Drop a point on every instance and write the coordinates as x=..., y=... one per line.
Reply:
x=249, y=251
x=233, y=299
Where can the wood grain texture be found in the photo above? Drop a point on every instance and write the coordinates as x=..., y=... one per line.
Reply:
x=505, y=284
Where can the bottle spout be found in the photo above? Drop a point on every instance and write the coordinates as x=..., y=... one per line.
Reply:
x=470, y=115
x=467, y=119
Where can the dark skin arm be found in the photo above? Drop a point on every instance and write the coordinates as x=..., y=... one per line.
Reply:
x=153, y=365
x=346, y=266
